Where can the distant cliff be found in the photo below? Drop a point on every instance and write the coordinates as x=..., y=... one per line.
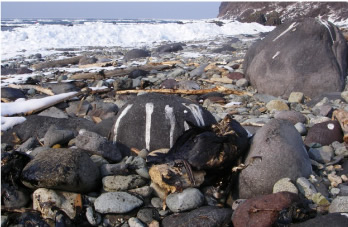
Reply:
x=274, y=13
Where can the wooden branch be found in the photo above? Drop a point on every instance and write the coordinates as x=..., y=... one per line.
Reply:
x=252, y=124
x=99, y=64
x=117, y=72
x=20, y=210
x=57, y=63
x=28, y=86
x=220, y=89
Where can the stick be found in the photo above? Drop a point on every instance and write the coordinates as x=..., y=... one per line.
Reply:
x=220, y=89
x=57, y=63
x=252, y=124
x=27, y=86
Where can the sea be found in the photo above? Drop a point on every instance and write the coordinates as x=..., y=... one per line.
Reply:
x=24, y=37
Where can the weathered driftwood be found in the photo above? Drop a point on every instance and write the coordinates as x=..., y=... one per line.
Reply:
x=220, y=89
x=57, y=63
x=99, y=64
x=82, y=92
x=117, y=72
x=36, y=87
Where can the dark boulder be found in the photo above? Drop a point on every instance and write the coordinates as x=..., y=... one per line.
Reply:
x=324, y=133
x=224, y=49
x=137, y=73
x=308, y=55
x=263, y=210
x=155, y=121
x=87, y=60
x=11, y=93
x=62, y=169
x=334, y=219
x=276, y=152
x=209, y=216
x=174, y=47
x=136, y=53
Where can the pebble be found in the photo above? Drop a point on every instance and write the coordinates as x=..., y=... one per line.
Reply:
x=296, y=97
x=116, y=202
x=188, y=199
x=147, y=215
x=144, y=191
x=301, y=128
x=306, y=187
x=276, y=105
x=113, y=169
x=242, y=83
x=122, y=183
x=135, y=222
x=322, y=154
x=156, y=202
x=285, y=184
x=55, y=199
x=320, y=200
x=334, y=179
x=339, y=204
x=93, y=217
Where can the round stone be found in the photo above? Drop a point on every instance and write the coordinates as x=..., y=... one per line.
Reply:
x=116, y=202
x=188, y=199
x=286, y=185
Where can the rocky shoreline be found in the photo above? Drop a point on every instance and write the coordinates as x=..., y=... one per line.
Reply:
x=63, y=165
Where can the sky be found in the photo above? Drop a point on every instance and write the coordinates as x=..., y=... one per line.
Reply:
x=110, y=10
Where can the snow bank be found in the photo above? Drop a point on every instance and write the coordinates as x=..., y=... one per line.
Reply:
x=36, y=38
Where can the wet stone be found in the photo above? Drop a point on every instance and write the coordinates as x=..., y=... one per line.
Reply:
x=147, y=215
x=306, y=187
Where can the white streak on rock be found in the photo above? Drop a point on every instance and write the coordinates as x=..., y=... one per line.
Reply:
x=149, y=111
x=276, y=54
x=171, y=117
x=196, y=112
x=327, y=26
x=123, y=113
x=288, y=29
x=186, y=126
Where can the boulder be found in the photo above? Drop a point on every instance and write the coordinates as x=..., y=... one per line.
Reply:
x=62, y=169
x=324, y=133
x=262, y=210
x=204, y=216
x=11, y=93
x=135, y=54
x=307, y=55
x=291, y=115
x=276, y=152
x=335, y=219
x=174, y=47
x=155, y=121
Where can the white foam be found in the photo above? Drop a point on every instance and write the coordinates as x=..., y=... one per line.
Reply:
x=39, y=38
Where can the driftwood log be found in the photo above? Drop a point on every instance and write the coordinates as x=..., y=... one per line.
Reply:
x=57, y=63
x=220, y=89
x=36, y=87
x=117, y=72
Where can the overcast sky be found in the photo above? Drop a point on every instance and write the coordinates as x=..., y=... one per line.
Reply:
x=110, y=10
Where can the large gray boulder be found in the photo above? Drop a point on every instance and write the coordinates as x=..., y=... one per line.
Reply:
x=308, y=55
x=155, y=121
x=62, y=169
x=276, y=152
